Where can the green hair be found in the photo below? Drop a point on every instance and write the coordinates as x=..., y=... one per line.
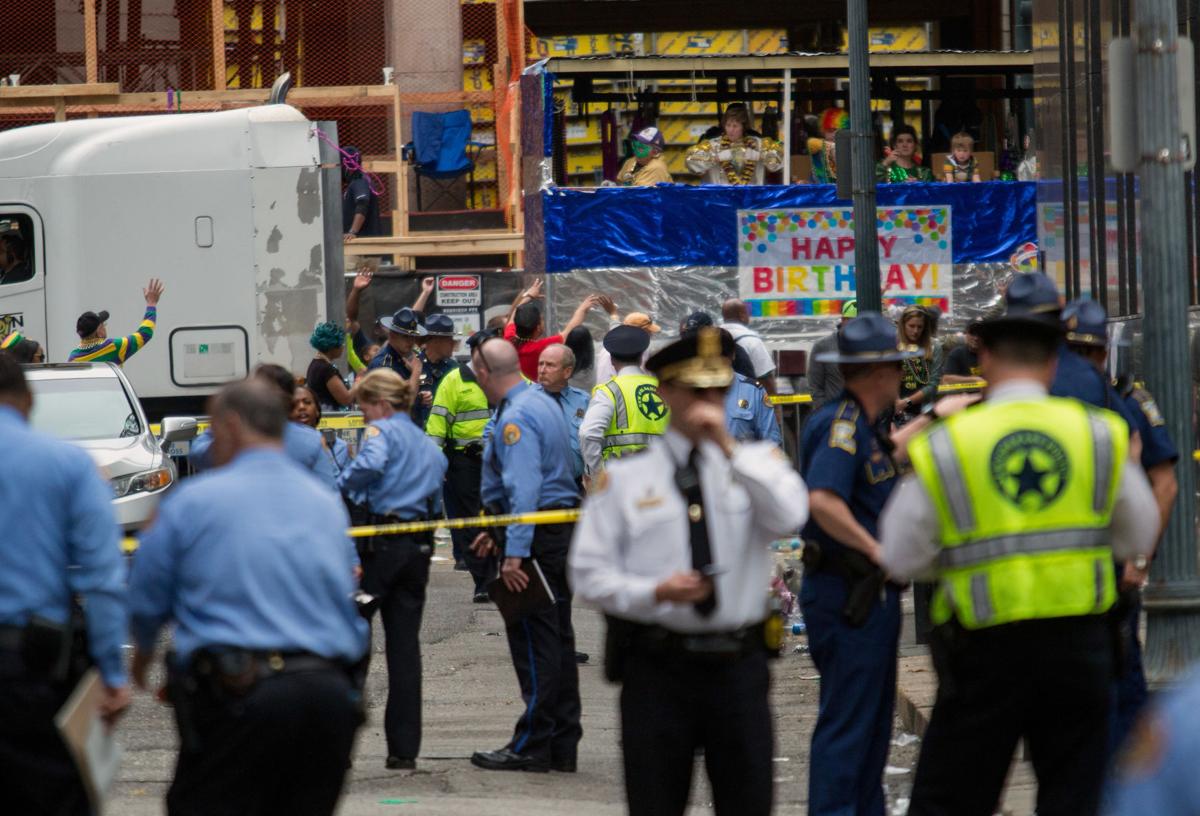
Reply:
x=327, y=336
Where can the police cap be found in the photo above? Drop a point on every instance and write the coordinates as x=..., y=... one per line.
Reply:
x=1086, y=323
x=697, y=360
x=627, y=342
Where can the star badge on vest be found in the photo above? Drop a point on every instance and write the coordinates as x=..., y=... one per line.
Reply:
x=512, y=434
x=1029, y=469
x=648, y=402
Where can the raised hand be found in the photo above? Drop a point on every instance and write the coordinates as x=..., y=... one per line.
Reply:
x=153, y=292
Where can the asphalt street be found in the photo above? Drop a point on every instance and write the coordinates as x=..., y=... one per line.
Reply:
x=471, y=703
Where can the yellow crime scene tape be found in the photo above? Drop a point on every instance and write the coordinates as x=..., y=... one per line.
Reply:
x=337, y=423
x=804, y=399
x=130, y=545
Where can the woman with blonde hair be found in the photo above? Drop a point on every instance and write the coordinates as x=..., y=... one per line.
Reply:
x=922, y=374
x=396, y=477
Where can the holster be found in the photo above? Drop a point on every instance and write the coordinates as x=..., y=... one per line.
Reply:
x=618, y=640
x=1119, y=624
x=864, y=580
x=57, y=651
x=182, y=688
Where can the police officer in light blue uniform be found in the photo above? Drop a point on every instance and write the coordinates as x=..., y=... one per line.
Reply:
x=556, y=365
x=252, y=565
x=302, y=444
x=396, y=477
x=850, y=474
x=1157, y=770
x=60, y=539
x=526, y=467
x=748, y=417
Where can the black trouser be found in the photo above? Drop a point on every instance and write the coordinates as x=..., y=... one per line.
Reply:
x=282, y=748
x=670, y=706
x=543, y=653
x=37, y=775
x=396, y=570
x=1048, y=681
x=461, y=494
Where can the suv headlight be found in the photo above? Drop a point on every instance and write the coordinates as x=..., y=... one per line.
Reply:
x=145, y=482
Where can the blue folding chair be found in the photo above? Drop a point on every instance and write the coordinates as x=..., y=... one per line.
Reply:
x=442, y=150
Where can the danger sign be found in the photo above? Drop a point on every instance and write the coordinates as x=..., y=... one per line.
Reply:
x=459, y=290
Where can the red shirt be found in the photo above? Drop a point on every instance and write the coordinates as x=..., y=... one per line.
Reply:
x=528, y=351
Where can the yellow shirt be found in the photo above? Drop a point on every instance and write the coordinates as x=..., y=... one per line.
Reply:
x=652, y=172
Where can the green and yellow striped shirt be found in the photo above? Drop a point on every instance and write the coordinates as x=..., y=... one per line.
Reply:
x=116, y=349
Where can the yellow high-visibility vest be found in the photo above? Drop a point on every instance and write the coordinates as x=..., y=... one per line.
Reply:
x=1024, y=492
x=639, y=414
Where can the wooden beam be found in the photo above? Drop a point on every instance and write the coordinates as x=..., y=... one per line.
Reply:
x=442, y=244
x=108, y=93
x=218, y=44
x=91, y=48
x=26, y=93
x=401, y=228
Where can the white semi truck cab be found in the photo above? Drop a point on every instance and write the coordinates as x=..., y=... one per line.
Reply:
x=234, y=210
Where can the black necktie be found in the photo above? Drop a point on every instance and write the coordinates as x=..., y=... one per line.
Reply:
x=687, y=479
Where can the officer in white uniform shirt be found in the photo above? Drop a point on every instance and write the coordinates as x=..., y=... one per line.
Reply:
x=673, y=546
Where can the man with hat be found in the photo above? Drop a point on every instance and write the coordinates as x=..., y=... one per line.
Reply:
x=605, y=370
x=360, y=205
x=456, y=422
x=1017, y=507
x=1086, y=323
x=673, y=546
x=437, y=360
x=852, y=614
x=646, y=167
x=403, y=328
x=626, y=411
x=825, y=379
x=95, y=346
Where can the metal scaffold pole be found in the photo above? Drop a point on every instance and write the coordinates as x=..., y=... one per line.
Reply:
x=866, y=245
x=1172, y=598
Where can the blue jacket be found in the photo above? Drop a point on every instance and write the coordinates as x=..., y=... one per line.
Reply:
x=253, y=555
x=60, y=539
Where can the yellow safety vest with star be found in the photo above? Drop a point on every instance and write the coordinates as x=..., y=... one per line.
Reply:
x=639, y=414
x=1024, y=492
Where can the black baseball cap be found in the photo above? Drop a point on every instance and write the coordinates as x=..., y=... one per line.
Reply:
x=89, y=322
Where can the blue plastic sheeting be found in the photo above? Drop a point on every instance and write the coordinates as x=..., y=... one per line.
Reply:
x=672, y=226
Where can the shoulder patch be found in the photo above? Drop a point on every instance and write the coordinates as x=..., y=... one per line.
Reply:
x=847, y=410
x=512, y=434
x=841, y=435
x=372, y=431
x=1149, y=407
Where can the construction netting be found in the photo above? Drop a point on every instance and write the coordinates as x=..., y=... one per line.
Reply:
x=366, y=64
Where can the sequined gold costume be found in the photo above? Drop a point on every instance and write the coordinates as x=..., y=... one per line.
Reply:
x=739, y=163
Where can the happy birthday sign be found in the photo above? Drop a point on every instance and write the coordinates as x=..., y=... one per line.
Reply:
x=800, y=263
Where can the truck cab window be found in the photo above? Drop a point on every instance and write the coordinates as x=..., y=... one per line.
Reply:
x=16, y=248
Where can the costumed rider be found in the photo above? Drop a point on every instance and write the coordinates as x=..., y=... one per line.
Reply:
x=822, y=151
x=646, y=167
x=735, y=158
